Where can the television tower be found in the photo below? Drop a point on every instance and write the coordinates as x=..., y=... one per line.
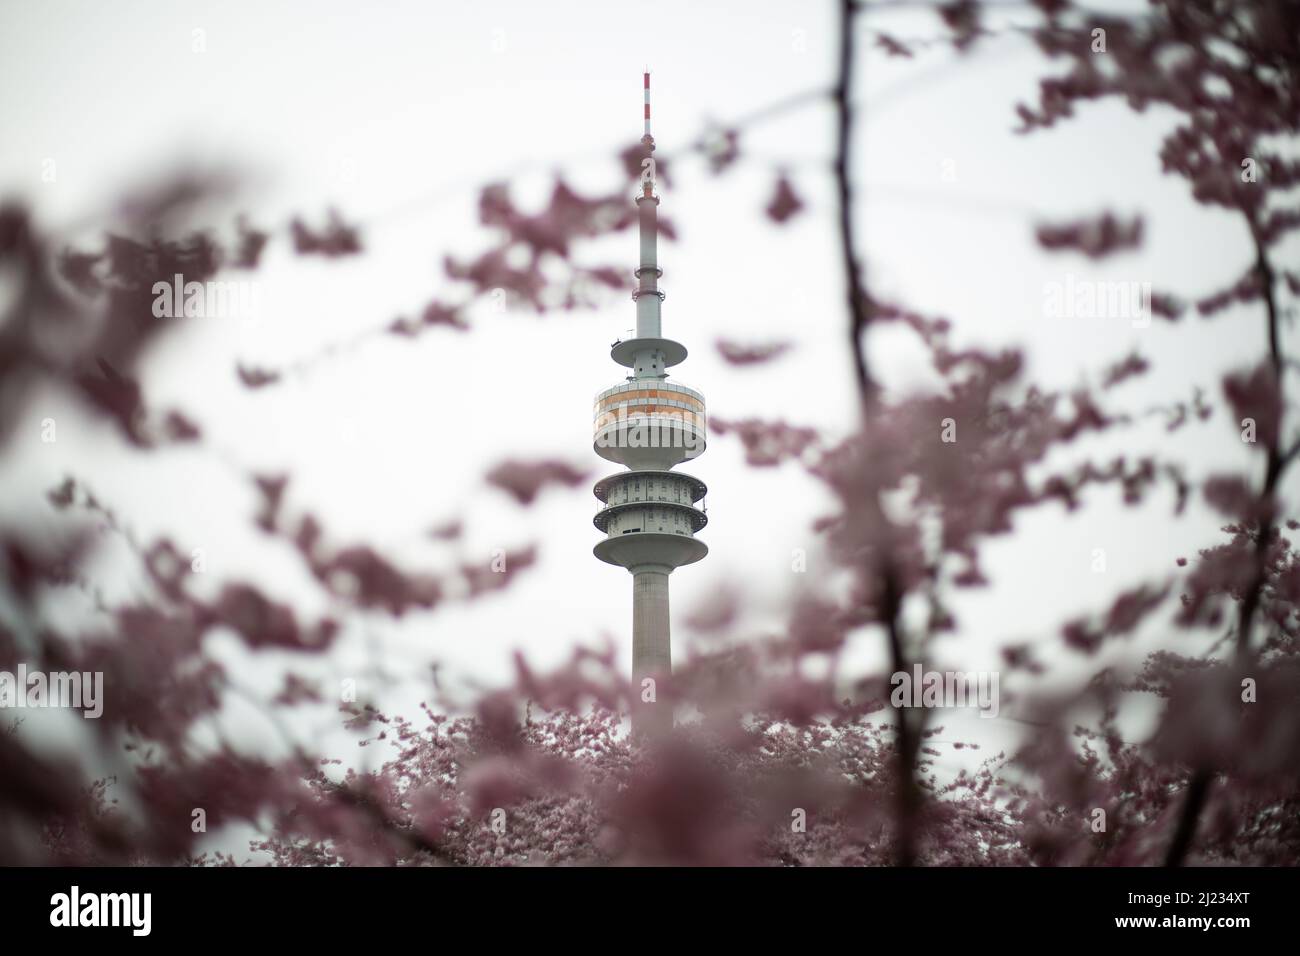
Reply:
x=649, y=425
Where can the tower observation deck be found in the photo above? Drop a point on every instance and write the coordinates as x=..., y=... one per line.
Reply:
x=649, y=512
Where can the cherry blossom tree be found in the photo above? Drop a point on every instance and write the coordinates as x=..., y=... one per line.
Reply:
x=783, y=753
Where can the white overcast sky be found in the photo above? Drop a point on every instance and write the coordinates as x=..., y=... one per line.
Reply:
x=395, y=112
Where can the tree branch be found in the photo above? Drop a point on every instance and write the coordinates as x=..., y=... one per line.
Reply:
x=1198, y=786
x=859, y=310
x=857, y=300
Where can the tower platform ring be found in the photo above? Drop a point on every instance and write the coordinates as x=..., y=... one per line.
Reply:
x=650, y=547
x=624, y=353
x=697, y=517
x=698, y=488
x=649, y=457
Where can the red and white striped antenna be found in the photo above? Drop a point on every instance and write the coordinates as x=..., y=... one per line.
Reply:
x=648, y=139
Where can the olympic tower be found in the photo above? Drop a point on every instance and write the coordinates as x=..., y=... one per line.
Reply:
x=649, y=424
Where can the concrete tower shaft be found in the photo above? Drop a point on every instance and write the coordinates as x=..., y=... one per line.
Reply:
x=649, y=513
x=649, y=298
x=651, y=648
